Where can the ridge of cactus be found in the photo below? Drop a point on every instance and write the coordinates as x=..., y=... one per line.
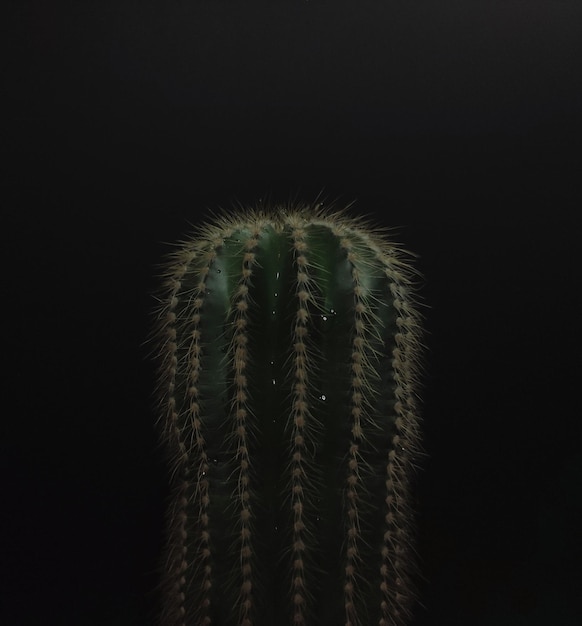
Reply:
x=289, y=344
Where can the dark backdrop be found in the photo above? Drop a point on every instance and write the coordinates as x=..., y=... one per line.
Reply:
x=456, y=121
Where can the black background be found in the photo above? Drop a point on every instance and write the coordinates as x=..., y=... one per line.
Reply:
x=458, y=122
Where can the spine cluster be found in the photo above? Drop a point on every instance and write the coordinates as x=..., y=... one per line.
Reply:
x=300, y=418
x=241, y=413
x=360, y=374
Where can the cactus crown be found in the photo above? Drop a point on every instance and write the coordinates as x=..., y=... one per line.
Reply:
x=289, y=347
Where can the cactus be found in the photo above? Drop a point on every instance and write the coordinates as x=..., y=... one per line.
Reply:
x=289, y=345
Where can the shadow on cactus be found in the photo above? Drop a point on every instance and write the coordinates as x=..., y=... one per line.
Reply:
x=289, y=356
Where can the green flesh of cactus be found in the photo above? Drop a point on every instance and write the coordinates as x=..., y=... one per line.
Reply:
x=289, y=346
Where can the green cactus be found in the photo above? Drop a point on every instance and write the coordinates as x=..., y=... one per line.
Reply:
x=289, y=344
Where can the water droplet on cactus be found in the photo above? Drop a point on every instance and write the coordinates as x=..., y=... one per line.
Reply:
x=322, y=319
x=273, y=377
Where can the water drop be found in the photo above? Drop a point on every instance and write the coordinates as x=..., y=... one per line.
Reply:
x=323, y=397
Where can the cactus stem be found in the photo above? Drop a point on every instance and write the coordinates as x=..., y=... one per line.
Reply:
x=289, y=344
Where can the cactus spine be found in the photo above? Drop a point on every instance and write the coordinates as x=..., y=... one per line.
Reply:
x=289, y=344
